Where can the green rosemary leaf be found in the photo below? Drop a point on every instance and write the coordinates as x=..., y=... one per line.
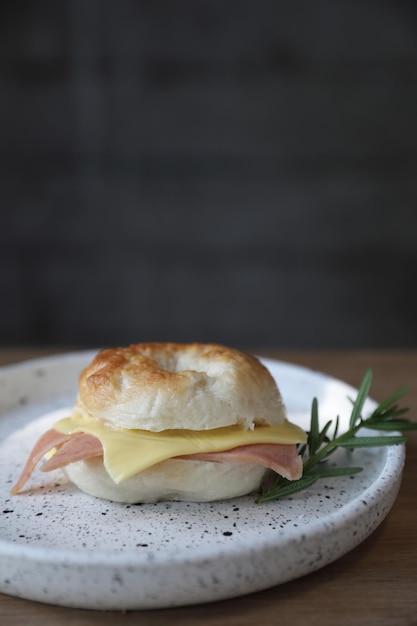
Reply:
x=395, y=425
x=287, y=488
x=284, y=488
x=363, y=393
x=388, y=402
x=336, y=428
x=368, y=442
x=338, y=471
x=313, y=440
x=323, y=434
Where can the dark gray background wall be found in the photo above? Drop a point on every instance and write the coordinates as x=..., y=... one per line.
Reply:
x=208, y=170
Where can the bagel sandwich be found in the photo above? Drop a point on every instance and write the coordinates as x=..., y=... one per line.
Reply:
x=166, y=421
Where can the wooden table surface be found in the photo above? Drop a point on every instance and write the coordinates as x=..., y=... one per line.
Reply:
x=375, y=584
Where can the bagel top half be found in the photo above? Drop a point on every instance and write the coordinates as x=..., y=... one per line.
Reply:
x=161, y=386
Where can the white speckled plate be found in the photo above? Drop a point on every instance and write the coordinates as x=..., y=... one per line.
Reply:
x=60, y=546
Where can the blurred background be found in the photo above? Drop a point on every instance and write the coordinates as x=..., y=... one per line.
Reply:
x=239, y=172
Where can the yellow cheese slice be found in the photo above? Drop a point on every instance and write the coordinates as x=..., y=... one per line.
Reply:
x=127, y=452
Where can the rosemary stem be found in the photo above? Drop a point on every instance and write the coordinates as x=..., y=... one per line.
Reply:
x=320, y=444
x=329, y=447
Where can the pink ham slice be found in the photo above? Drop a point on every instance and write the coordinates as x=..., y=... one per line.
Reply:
x=79, y=442
x=281, y=458
x=78, y=448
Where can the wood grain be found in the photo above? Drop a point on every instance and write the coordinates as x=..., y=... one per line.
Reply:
x=375, y=584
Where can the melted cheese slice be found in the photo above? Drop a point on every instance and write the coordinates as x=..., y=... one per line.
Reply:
x=127, y=452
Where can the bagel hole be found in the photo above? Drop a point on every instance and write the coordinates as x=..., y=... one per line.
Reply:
x=180, y=363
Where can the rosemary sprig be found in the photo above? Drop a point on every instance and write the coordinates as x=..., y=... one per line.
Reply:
x=320, y=445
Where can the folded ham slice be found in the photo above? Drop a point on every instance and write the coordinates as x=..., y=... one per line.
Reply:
x=49, y=440
x=70, y=448
x=78, y=448
x=283, y=459
x=79, y=443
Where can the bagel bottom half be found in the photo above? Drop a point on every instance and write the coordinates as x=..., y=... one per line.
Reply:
x=175, y=479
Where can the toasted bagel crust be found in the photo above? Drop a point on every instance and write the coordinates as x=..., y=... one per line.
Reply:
x=159, y=386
